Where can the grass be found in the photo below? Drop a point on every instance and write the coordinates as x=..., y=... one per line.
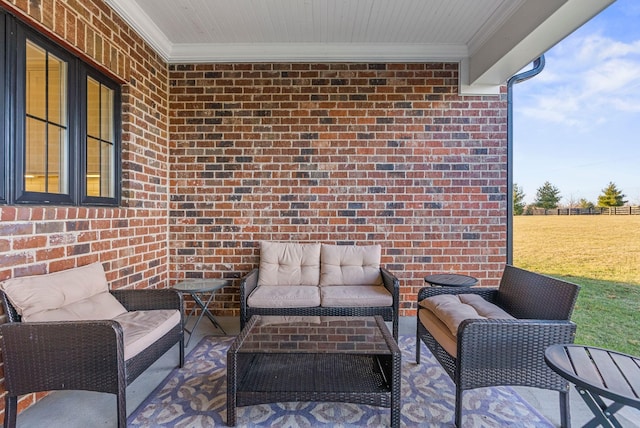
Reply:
x=600, y=253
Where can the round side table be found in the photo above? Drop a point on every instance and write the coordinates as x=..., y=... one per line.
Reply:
x=450, y=280
x=598, y=373
x=200, y=289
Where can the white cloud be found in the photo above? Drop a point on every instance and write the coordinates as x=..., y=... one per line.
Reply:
x=586, y=79
x=596, y=48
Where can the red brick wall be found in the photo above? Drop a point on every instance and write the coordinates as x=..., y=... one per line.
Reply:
x=130, y=241
x=336, y=153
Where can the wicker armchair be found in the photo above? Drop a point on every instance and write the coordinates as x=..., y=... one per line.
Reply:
x=80, y=355
x=493, y=352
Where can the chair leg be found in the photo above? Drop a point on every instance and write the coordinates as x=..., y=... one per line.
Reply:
x=122, y=409
x=10, y=411
x=458, y=411
x=565, y=414
x=418, y=344
x=181, y=345
x=395, y=327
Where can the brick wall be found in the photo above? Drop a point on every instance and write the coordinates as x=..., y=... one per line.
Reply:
x=335, y=153
x=130, y=241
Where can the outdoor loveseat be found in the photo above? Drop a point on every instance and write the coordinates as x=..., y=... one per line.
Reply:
x=497, y=336
x=314, y=279
x=68, y=331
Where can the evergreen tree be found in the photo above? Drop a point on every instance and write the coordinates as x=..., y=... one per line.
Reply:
x=611, y=197
x=547, y=196
x=518, y=200
x=584, y=204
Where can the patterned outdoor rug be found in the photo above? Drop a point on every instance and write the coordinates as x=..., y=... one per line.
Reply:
x=195, y=396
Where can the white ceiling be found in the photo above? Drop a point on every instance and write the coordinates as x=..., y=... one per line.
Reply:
x=491, y=39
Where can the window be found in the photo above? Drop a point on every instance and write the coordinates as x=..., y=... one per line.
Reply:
x=46, y=147
x=63, y=141
x=100, y=154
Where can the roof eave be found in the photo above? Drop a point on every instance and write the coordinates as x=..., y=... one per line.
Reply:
x=535, y=28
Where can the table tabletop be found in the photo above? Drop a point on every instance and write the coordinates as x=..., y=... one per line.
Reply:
x=201, y=285
x=609, y=374
x=451, y=280
x=316, y=335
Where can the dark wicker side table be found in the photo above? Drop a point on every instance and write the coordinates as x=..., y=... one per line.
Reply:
x=336, y=359
x=450, y=280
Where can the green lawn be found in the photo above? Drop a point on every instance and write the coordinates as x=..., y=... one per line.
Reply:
x=602, y=254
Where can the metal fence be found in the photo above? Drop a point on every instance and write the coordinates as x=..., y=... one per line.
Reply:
x=626, y=210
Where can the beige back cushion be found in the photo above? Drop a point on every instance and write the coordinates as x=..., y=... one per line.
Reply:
x=70, y=295
x=285, y=263
x=350, y=265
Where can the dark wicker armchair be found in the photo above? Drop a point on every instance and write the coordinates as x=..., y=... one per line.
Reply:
x=80, y=355
x=493, y=352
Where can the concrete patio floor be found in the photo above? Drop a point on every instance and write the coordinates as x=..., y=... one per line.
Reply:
x=83, y=409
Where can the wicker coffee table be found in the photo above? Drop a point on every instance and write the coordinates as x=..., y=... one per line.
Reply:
x=344, y=359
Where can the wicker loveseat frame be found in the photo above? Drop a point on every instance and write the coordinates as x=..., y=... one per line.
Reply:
x=493, y=352
x=389, y=313
x=81, y=355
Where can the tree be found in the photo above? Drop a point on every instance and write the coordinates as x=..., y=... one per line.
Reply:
x=518, y=200
x=611, y=197
x=571, y=202
x=584, y=204
x=547, y=196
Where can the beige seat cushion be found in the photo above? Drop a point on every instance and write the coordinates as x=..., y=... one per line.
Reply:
x=350, y=265
x=284, y=296
x=452, y=309
x=71, y=295
x=143, y=328
x=284, y=263
x=355, y=296
x=439, y=331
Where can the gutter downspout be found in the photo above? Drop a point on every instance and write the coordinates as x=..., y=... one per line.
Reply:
x=538, y=66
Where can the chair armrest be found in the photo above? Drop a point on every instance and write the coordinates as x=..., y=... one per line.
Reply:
x=391, y=283
x=506, y=328
x=149, y=299
x=488, y=293
x=41, y=356
x=9, y=310
x=248, y=283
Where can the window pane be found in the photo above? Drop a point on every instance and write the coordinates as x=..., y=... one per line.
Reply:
x=93, y=167
x=93, y=108
x=106, y=114
x=57, y=71
x=36, y=81
x=107, y=184
x=34, y=174
x=57, y=155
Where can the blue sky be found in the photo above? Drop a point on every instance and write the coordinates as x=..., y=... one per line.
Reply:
x=577, y=124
